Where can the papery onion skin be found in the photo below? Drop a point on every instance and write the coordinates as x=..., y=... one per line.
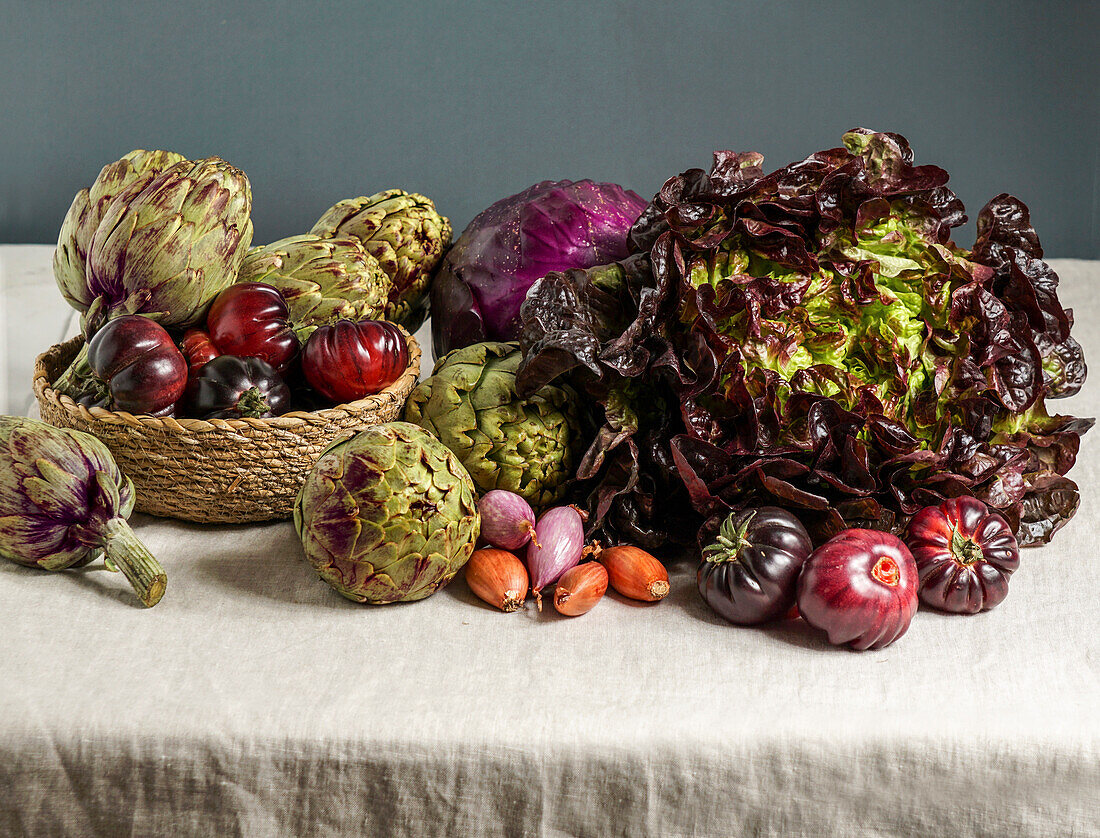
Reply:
x=580, y=588
x=861, y=588
x=507, y=520
x=560, y=532
x=498, y=578
x=965, y=554
x=634, y=573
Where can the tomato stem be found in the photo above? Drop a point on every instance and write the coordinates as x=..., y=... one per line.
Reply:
x=965, y=550
x=886, y=571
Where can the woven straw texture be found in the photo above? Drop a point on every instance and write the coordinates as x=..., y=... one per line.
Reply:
x=217, y=470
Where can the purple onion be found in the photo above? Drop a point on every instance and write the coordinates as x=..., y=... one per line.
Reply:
x=560, y=532
x=507, y=520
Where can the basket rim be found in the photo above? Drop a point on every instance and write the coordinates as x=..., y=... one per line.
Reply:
x=295, y=419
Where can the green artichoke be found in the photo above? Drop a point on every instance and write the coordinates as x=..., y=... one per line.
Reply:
x=387, y=515
x=526, y=446
x=403, y=231
x=322, y=280
x=135, y=170
x=63, y=501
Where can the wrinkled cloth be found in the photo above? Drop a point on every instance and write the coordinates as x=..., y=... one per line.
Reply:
x=253, y=700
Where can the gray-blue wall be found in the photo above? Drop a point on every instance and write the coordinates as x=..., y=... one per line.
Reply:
x=471, y=101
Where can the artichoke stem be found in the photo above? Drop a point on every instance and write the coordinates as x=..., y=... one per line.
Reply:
x=73, y=381
x=123, y=549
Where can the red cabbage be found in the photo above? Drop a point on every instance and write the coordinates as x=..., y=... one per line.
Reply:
x=551, y=226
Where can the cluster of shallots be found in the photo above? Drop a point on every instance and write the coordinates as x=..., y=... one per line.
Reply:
x=555, y=555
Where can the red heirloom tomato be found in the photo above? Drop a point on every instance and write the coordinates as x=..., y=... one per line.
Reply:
x=140, y=366
x=197, y=349
x=251, y=320
x=348, y=360
x=749, y=572
x=860, y=586
x=964, y=555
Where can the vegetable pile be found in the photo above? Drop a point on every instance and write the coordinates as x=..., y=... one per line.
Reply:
x=799, y=373
x=182, y=319
x=813, y=339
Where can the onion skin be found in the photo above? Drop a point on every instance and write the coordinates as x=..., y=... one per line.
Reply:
x=580, y=588
x=634, y=573
x=557, y=546
x=498, y=578
x=861, y=588
x=965, y=554
x=507, y=520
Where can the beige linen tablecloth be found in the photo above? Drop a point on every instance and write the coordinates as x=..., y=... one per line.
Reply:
x=253, y=700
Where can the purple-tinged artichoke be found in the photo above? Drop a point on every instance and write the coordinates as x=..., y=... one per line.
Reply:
x=551, y=226
x=405, y=233
x=387, y=515
x=165, y=250
x=138, y=168
x=63, y=501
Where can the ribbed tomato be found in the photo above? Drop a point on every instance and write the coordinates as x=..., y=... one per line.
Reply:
x=348, y=361
x=749, y=572
x=232, y=387
x=861, y=587
x=197, y=349
x=964, y=553
x=252, y=320
x=140, y=367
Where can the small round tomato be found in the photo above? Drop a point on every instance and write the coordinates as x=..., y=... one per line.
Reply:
x=197, y=349
x=964, y=553
x=252, y=320
x=348, y=361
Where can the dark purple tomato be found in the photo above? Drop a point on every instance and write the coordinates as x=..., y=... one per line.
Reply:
x=860, y=587
x=964, y=554
x=749, y=572
x=139, y=364
x=231, y=387
x=348, y=361
x=252, y=320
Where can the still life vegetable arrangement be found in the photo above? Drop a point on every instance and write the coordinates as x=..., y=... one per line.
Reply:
x=796, y=376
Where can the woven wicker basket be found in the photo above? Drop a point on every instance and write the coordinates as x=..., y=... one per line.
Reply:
x=217, y=470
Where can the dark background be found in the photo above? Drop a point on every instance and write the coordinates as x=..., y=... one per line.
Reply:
x=469, y=102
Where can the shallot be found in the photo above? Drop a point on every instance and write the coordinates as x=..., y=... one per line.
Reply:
x=580, y=588
x=558, y=544
x=634, y=573
x=497, y=577
x=507, y=520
